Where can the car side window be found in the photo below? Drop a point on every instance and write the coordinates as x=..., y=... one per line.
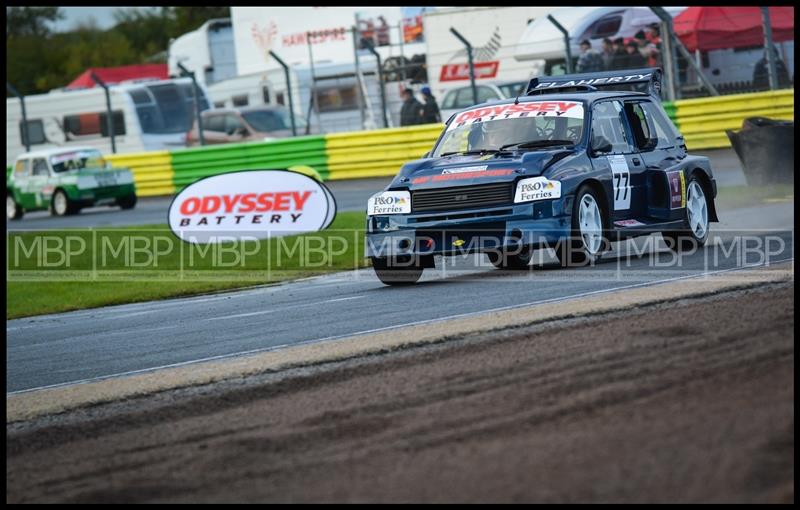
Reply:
x=215, y=123
x=22, y=168
x=449, y=101
x=607, y=122
x=464, y=98
x=485, y=94
x=641, y=126
x=232, y=123
x=40, y=167
x=664, y=129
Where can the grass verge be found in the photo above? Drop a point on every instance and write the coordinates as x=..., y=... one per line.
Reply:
x=58, y=271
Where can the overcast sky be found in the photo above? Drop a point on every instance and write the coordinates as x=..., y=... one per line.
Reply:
x=74, y=15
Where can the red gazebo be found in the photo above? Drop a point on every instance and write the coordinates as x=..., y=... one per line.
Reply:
x=112, y=75
x=714, y=28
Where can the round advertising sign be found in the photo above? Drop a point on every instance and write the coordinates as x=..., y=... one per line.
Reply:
x=252, y=204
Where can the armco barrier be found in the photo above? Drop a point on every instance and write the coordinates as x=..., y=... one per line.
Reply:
x=152, y=171
x=381, y=152
x=377, y=153
x=192, y=164
x=703, y=121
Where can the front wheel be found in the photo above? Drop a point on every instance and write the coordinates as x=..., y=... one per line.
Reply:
x=62, y=205
x=695, y=231
x=13, y=209
x=128, y=202
x=587, y=240
x=392, y=272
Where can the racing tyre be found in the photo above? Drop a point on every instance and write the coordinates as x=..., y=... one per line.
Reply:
x=695, y=232
x=62, y=205
x=516, y=261
x=587, y=240
x=128, y=202
x=396, y=274
x=13, y=209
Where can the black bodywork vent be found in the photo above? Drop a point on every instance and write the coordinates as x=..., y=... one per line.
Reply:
x=461, y=197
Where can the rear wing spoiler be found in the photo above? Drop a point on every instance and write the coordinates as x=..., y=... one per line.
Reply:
x=646, y=80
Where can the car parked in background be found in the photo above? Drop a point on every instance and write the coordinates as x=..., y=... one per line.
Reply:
x=247, y=124
x=64, y=181
x=459, y=98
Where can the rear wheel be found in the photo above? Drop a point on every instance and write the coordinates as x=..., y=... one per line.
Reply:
x=128, y=202
x=13, y=209
x=587, y=241
x=393, y=272
x=695, y=231
x=62, y=205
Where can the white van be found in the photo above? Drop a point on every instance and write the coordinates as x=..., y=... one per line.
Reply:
x=542, y=41
x=152, y=115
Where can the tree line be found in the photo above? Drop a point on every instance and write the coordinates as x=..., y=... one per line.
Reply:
x=39, y=60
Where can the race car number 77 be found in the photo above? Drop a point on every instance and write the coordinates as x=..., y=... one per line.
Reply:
x=622, y=185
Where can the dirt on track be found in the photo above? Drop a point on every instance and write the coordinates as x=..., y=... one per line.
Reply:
x=690, y=401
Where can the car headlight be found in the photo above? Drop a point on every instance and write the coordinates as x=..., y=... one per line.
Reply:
x=537, y=188
x=389, y=202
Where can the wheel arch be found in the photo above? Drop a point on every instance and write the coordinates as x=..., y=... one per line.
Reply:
x=705, y=181
x=598, y=188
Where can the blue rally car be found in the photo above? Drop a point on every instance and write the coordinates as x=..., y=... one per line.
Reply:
x=574, y=163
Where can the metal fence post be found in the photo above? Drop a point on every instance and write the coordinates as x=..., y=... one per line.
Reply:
x=315, y=93
x=773, y=71
x=372, y=50
x=566, y=41
x=196, y=90
x=288, y=89
x=27, y=140
x=361, y=99
x=471, y=64
x=109, y=115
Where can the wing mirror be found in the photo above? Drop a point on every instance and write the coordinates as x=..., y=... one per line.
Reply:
x=600, y=144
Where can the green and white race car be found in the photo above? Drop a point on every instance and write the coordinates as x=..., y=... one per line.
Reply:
x=65, y=180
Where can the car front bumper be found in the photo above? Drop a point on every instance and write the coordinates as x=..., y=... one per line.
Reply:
x=538, y=223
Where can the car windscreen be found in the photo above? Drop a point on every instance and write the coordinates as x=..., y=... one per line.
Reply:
x=77, y=160
x=271, y=120
x=513, y=89
x=492, y=127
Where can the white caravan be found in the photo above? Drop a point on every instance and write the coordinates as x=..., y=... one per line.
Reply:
x=147, y=116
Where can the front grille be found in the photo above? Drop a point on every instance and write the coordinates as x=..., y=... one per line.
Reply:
x=462, y=197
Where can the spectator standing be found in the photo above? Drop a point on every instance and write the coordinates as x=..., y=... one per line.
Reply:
x=646, y=48
x=430, y=111
x=634, y=59
x=412, y=110
x=590, y=61
x=383, y=32
x=761, y=72
x=620, y=56
x=608, y=54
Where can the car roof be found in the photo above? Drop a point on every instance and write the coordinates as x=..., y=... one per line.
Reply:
x=44, y=153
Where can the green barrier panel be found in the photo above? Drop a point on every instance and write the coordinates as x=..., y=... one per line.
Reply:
x=193, y=164
x=672, y=111
x=8, y=171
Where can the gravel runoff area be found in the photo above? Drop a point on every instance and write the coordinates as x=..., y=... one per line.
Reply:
x=685, y=401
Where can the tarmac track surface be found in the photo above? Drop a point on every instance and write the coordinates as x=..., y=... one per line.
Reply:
x=687, y=401
x=112, y=341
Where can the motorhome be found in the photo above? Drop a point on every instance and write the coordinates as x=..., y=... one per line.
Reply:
x=146, y=116
x=492, y=32
x=347, y=98
x=208, y=51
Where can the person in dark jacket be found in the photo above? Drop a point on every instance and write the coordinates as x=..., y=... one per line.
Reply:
x=590, y=60
x=411, y=111
x=634, y=59
x=761, y=73
x=430, y=111
x=620, y=58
